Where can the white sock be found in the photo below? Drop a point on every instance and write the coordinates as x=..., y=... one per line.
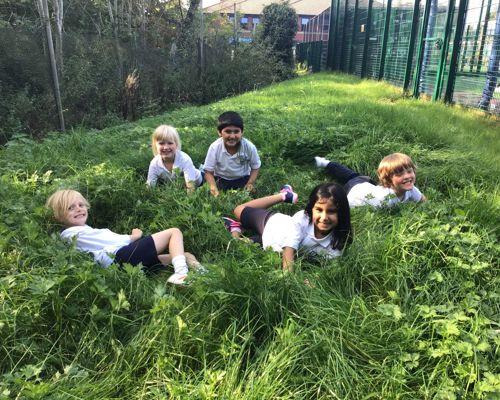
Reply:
x=321, y=162
x=179, y=263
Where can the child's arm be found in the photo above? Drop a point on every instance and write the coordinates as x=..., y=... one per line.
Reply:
x=152, y=174
x=190, y=186
x=250, y=186
x=135, y=235
x=288, y=257
x=190, y=172
x=210, y=178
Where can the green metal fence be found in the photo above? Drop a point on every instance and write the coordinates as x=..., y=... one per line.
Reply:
x=445, y=49
x=312, y=54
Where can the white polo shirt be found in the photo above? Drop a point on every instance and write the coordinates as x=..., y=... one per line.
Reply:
x=182, y=165
x=378, y=196
x=100, y=242
x=231, y=166
x=298, y=233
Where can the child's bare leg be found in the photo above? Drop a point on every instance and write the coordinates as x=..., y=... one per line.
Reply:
x=165, y=259
x=263, y=202
x=171, y=240
x=191, y=261
x=236, y=234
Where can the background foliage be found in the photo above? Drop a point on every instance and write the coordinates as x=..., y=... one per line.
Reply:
x=277, y=30
x=119, y=60
x=410, y=311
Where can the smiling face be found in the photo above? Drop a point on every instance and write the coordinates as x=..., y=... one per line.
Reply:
x=231, y=136
x=324, y=217
x=403, y=181
x=166, y=149
x=76, y=212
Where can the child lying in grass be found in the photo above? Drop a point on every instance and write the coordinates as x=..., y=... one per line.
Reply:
x=322, y=228
x=396, y=173
x=71, y=209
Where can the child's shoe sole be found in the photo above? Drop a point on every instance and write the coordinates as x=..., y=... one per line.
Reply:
x=177, y=279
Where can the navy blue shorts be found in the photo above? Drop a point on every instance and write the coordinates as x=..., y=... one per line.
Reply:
x=226, y=184
x=255, y=219
x=142, y=251
x=356, y=181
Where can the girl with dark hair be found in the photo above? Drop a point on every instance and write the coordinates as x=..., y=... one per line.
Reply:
x=322, y=228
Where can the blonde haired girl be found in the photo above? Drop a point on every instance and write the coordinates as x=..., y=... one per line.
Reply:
x=169, y=161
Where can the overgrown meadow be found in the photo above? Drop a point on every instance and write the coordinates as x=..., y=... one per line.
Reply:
x=411, y=311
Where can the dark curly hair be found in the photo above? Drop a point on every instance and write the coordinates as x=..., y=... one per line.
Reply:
x=342, y=233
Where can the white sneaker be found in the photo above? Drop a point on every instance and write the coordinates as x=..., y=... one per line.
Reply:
x=177, y=279
x=321, y=162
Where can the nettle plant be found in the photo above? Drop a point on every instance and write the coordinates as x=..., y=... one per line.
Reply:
x=458, y=330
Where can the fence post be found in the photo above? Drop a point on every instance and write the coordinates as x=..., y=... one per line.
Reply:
x=385, y=39
x=421, y=46
x=350, y=68
x=411, y=45
x=483, y=37
x=343, y=44
x=331, y=39
x=466, y=47
x=457, y=40
x=476, y=38
x=336, y=47
x=367, y=39
x=444, y=51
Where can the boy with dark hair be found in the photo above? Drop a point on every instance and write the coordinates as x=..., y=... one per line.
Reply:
x=232, y=162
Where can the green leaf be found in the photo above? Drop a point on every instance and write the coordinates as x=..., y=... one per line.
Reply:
x=391, y=310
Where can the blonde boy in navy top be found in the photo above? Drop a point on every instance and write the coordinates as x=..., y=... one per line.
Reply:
x=232, y=162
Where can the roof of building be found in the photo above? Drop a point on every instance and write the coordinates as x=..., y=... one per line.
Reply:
x=302, y=7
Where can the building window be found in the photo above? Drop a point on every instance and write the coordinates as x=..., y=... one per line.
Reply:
x=244, y=22
x=303, y=23
x=255, y=21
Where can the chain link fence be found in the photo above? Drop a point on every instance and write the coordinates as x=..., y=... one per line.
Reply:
x=444, y=49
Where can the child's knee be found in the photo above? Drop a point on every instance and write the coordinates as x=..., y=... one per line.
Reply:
x=238, y=210
x=175, y=231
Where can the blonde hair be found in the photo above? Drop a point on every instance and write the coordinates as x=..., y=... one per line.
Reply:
x=60, y=201
x=165, y=132
x=393, y=164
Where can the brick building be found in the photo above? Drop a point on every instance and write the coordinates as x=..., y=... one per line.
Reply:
x=249, y=13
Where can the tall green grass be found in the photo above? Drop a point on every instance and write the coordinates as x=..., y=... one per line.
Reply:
x=411, y=311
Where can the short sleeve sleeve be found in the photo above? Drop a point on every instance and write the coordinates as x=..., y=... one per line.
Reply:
x=211, y=159
x=152, y=174
x=296, y=230
x=190, y=172
x=255, y=162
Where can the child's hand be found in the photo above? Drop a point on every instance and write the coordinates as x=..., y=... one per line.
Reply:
x=214, y=191
x=136, y=234
x=250, y=187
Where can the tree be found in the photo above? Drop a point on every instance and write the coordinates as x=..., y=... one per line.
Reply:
x=43, y=9
x=278, y=29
